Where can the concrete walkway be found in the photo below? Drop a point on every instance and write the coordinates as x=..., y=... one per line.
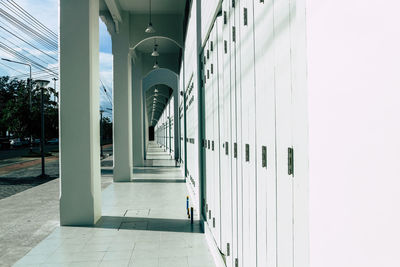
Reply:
x=30, y=216
x=144, y=224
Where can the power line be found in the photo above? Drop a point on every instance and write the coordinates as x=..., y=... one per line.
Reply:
x=33, y=18
x=19, y=38
x=29, y=31
x=15, y=53
x=11, y=68
x=23, y=18
x=105, y=91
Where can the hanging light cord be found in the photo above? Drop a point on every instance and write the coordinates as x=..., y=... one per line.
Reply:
x=150, y=9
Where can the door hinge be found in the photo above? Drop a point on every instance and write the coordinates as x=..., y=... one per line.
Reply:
x=213, y=222
x=226, y=148
x=233, y=3
x=228, y=249
x=236, y=262
x=247, y=152
x=235, y=150
x=212, y=145
x=290, y=161
x=225, y=18
x=233, y=34
x=245, y=16
x=225, y=46
x=209, y=214
x=264, y=156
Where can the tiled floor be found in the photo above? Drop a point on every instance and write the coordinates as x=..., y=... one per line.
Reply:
x=144, y=224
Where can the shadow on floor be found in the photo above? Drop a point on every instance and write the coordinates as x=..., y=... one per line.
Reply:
x=107, y=172
x=154, y=170
x=149, y=224
x=158, y=181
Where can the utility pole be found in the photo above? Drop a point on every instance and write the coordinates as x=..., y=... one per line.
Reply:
x=42, y=84
x=101, y=132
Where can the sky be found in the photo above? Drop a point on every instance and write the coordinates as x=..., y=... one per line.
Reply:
x=46, y=11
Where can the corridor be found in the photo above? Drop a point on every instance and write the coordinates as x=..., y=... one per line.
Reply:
x=144, y=223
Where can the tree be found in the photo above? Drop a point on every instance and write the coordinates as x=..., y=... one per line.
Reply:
x=15, y=116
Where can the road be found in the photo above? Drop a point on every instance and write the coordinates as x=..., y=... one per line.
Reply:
x=20, y=173
x=23, y=151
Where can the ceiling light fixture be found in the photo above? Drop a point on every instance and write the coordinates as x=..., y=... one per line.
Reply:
x=156, y=64
x=155, y=52
x=150, y=28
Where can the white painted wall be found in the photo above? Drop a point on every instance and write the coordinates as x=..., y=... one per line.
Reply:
x=354, y=123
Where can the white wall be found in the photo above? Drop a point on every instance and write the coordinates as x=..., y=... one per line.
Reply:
x=354, y=116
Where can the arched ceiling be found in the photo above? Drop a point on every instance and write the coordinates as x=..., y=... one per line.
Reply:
x=156, y=100
x=164, y=46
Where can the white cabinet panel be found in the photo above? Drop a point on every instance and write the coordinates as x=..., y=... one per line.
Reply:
x=237, y=132
x=265, y=133
x=225, y=151
x=283, y=78
x=248, y=133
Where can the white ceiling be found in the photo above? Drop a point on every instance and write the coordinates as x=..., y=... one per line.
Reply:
x=157, y=6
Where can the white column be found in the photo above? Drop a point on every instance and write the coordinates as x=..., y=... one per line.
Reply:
x=122, y=103
x=80, y=202
x=137, y=99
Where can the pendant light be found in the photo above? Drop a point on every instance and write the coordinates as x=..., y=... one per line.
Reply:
x=156, y=64
x=155, y=52
x=150, y=28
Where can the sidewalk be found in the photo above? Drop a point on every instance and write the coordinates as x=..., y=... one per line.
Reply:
x=144, y=224
x=30, y=216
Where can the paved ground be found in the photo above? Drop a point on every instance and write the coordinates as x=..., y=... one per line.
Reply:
x=22, y=151
x=22, y=178
x=144, y=224
x=21, y=173
x=29, y=206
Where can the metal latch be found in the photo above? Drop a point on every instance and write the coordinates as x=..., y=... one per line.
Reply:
x=245, y=16
x=225, y=46
x=235, y=150
x=264, y=156
x=247, y=152
x=290, y=161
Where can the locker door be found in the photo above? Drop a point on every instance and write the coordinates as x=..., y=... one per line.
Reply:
x=265, y=133
x=237, y=133
x=231, y=45
x=283, y=89
x=211, y=162
x=216, y=134
x=203, y=122
x=224, y=67
x=208, y=134
x=248, y=134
